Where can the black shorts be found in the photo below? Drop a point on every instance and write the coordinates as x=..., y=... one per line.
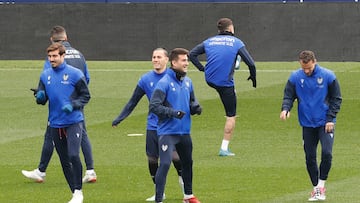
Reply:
x=152, y=141
x=228, y=98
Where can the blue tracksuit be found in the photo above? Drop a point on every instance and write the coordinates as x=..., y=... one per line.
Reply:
x=221, y=53
x=170, y=96
x=145, y=86
x=76, y=59
x=318, y=96
x=66, y=85
x=177, y=95
x=319, y=101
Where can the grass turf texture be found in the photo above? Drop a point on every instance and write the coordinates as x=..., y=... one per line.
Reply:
x=269, y=165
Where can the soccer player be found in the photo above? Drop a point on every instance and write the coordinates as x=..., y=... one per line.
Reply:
x=74, y=58
x=66, y=90
x=221, y=54
x=318, y=94
x=146, y=86
x=173, y=101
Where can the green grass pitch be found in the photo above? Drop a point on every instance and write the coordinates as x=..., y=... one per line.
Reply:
x=269, y=165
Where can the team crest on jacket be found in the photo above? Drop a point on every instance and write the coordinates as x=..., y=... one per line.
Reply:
x=320, y=80
x=65, y=79
x=48, y=79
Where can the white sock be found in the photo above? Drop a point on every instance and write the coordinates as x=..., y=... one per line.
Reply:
x=188, y=196
x=225, y=145
x=321, y=183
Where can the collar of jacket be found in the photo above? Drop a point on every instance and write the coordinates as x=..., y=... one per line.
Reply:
x=60, y=67
x=226, y=33
x=179, y=75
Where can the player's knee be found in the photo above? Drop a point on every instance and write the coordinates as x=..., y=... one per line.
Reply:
x=74, y=158
x=165, y=165
x=175, y=156
x=229, y=126
x=310, y=158
x=187, y=164
x=326, y=156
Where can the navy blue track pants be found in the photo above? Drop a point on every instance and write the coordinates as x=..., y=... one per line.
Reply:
x=67, y=144
x=311, y=138
x=184, y=147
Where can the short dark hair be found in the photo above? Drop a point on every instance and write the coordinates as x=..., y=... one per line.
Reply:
x=58, y=33
x=223, y=24
x=56, y=46
x=174, y=54
x=162, y=49
x=306, y=56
